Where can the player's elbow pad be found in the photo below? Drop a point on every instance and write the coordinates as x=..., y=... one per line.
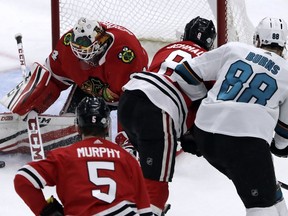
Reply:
x=37, y=92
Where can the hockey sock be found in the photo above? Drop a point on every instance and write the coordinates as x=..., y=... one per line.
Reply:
x=158, y=193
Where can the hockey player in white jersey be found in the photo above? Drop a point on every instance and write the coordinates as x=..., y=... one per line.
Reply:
x=155, y=106
x=234, y=125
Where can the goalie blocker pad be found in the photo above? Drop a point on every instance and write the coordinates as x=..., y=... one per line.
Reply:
x=36, y=92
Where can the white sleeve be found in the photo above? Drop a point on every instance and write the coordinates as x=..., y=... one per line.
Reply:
x=281, y=130
x=208, y=65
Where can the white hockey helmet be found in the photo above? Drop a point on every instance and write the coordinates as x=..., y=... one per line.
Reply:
x=85, y=41
x=271, y=31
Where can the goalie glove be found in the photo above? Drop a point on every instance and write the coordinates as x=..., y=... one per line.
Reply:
x=53, y=208
x=188, y=144
x=277, y=151
x=37, y=92
x=122, y=140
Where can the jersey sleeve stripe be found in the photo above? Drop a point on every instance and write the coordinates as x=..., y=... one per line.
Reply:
x=125, y=208
x=33, y=176
x=282, y=129
x=187, y=73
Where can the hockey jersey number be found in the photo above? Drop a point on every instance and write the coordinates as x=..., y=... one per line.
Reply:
x=242, y=85
x=93, y=168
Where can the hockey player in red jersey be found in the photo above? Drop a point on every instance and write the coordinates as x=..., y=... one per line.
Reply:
x=92, y=177
x=155, y=105
x=98, y=57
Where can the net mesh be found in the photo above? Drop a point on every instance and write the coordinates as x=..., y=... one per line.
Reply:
x=156, y=20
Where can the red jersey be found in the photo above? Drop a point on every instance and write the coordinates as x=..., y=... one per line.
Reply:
x=165, y=61
x=92, y=177
x=124, y=56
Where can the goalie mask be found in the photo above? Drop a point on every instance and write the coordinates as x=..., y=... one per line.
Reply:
x=88, y=39
x=200, y=31
x=92, y=112
x=271, y=31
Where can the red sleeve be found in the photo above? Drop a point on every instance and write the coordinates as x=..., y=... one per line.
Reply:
x=32, y=196
x=62, y=61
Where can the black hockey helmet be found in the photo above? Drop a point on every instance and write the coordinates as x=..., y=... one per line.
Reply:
x=93, y=112
x=200, y=31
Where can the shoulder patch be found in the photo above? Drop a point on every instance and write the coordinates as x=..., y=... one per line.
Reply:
x=67, y=39
x=127, y=55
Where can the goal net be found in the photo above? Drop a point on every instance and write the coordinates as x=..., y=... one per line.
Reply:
x=154, y=20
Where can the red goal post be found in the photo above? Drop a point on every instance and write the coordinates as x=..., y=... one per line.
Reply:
x=156, y=20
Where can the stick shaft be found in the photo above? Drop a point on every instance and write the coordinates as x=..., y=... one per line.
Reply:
x=33, y=126
x=18, y=38
x=283, y=185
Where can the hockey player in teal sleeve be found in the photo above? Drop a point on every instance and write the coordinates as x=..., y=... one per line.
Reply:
x=235, y=123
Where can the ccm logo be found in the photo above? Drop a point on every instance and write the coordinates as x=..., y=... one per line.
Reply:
x=6, y=118
x=35, y=139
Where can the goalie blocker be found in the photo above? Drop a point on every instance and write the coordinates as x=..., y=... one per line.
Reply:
x=36, y=92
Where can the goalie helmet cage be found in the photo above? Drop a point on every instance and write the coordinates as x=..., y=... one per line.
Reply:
x=154, y=20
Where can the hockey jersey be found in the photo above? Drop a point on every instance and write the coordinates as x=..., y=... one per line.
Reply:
x=124, y=56
x=167, y=89
x=250, y=96
x=92, y=177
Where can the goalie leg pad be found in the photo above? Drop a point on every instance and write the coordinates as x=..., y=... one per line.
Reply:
x=36, y=92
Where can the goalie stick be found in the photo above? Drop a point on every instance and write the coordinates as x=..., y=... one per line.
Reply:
x=33, y=127
x=18, y=38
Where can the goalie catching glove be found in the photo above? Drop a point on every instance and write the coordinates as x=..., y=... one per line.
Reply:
x=188, y=144
x=53, y=208
x=36, y=92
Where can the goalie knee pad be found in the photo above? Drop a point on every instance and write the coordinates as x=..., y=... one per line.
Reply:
x=36, y=92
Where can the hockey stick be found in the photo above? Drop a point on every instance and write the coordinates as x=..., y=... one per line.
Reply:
x=33, y=127
x=18, y=38
x=283, y=185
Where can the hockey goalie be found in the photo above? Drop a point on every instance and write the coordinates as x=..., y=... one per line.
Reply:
x=96, y=58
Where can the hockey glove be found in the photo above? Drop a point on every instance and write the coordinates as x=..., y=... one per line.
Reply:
x=53, y=208
x=278, y=152
x=37, y=92
x=188, y=144
x=122, y=140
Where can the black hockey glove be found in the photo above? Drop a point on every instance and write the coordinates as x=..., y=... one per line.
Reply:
x=53, y=208
x=188, y=144
x=278, y=152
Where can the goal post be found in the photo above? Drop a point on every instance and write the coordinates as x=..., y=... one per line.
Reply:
x=154, y=20
x=55, y=21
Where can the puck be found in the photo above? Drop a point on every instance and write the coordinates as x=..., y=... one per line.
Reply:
x=2, y=164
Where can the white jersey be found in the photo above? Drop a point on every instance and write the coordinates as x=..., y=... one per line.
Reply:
x=164, y=93
x=168, y=90
x=250, y=95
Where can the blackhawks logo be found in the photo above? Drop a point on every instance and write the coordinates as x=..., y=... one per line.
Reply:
x=96, y=87
x=127, y=55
